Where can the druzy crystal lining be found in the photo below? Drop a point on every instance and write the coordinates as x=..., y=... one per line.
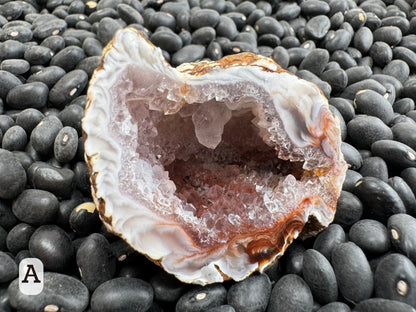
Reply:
x=211, y=169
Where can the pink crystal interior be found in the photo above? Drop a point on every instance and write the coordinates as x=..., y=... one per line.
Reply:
x=216, y=156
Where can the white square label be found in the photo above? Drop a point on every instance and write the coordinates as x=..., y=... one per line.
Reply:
x=31, y=276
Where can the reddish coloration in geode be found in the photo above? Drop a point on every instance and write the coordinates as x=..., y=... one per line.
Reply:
x=213, y=168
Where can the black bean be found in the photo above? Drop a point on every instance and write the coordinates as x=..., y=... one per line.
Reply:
x=381, y=53
x=28, y=95
x=287, y=11
x=403, y=106
x=84, y=219
x=281, y=56
x=245, y=7
x=371, y=236
x=401, y=22
x=317, y=27
x=314, y=7
x=255, y=16
x=187, y=54
x=395, y=279
x=38, y=55
x=129, y=14
x=356, y=18
x=36, y=207
x=358, y=73
x=49, y=28
x=349, y=209
x=11, y=49
x=8, y=268
x=68, y=87
x=251, y=294
x=380, y=200
x=204, y=17
x=226, y=27
x=365, y=130
x=334, y=306
x=405, y=133
x=3, y=237
x=214, y=51
x=395, y=153
x=315, y=61
x=344, y=106
x=77, y=6
x=19, y=33
x=405, y=193
x=247, y=37
x=203, y=35
x=374, y=167
x=166, y=287
x=68, y=58
x=343, y=59
x=292, y=262
x=402, y=227
x=363, y=39
x=202, y=298
x=290, y=42
x=373, y=21
x=89, y=64
x=167, y=40
x=269, y=25
x=353, y=272
x=238, y=18
x=28, y=119
x=320, y=277
x=269, y=40
x=351, y=156
x=328, y=239
x=48, y=75
x=107, y=27
x=13, y=175
x=7, y=82
x=52, y=246
x=14, y=139
x=15, y=66
x=122, y=294
x=374, y=104
x=92, y=47
x=60, y=292
x=409, y=41
x=66, y=144
x=59, y=181
x=43, y=135
x=290, y=293
x=18, y=237
x=72, y=19
x=337, y=78
x=351, y=178
x=406, y=55
x=95, y=261
x=6, y=122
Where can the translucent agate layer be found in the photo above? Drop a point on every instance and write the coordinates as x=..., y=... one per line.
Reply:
x=210, y=169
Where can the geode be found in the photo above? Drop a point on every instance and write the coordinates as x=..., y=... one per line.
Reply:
x=210, y=169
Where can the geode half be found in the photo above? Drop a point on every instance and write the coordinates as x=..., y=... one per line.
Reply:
x=210, y=169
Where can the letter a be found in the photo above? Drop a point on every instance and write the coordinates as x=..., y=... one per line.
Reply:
x=30, y=268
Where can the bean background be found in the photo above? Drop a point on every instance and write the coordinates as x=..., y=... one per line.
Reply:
x=362, y=54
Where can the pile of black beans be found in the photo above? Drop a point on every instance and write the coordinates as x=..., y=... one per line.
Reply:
x=362, y=54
